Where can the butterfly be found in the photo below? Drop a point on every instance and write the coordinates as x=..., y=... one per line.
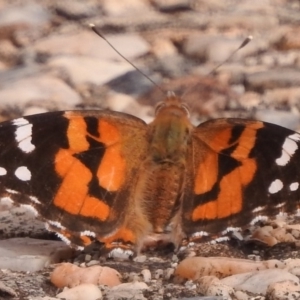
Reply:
x=109, y=176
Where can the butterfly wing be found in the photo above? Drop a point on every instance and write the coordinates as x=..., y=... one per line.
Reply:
x=75, y=169
x=239, y=172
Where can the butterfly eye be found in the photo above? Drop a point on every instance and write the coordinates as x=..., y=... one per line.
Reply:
x=159, y=106
x=186, y=109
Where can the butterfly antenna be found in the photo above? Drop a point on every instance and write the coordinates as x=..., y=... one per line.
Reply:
x=93, y=27
x=243, y=44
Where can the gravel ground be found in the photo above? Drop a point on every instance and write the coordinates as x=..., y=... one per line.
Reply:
x=51, y=60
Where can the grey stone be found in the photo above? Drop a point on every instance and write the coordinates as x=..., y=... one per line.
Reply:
x=26, y=15
x=89, y=70
x=87, y=43
x=46, y=90
x=276, y=78
x=30, y=255
x=282, y=118
x=258, y=282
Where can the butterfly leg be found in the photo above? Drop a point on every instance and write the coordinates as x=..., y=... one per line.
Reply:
x=128, y=239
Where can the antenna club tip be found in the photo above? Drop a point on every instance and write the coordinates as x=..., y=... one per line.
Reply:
x=250, y=37
x=92, y=25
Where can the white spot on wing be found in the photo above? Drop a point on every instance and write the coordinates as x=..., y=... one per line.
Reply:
x=295, y=137
x=88, y=233
x=283, y=159
x=289, y=147
x=26, y=145
x=56, y=224
x=280, y=205
x=258, y=219
x=200, y=233
x=23, y=173
x=258, y=209
x=12, y=191
x=275, y=186
x=63, y=238
x=20, y=122
x=231, y=229
x=34, y=199
x=2, y=171
x=220, y=239
x=23, y=135
x=294, y=186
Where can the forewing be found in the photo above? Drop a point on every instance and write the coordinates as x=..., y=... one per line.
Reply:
x=75, y=169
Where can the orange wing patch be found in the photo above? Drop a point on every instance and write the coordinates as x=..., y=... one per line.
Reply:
x=207, y=174
x=94, y=208
x=77, y=135
x=221, y=140
x=248, y=138
x=122, y=234
x=72, y=195
x=74, y=186
x=230, y=198
x=111, y=172
x=86, y=240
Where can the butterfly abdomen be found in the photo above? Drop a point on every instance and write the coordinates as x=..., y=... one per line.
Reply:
x=160, y=190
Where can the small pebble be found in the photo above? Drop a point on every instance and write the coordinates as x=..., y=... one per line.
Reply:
x=87, y=258
x=146, y=275
x=175, y=258
x=168, y=273
x=156, y=259
x=133, y=277
x=190, y=285
x=93, y=263
x=295, y=233
x=158, y=273
x=140, y=258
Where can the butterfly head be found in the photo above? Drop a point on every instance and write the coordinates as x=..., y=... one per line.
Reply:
x=170, y=130
x=172, y=103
